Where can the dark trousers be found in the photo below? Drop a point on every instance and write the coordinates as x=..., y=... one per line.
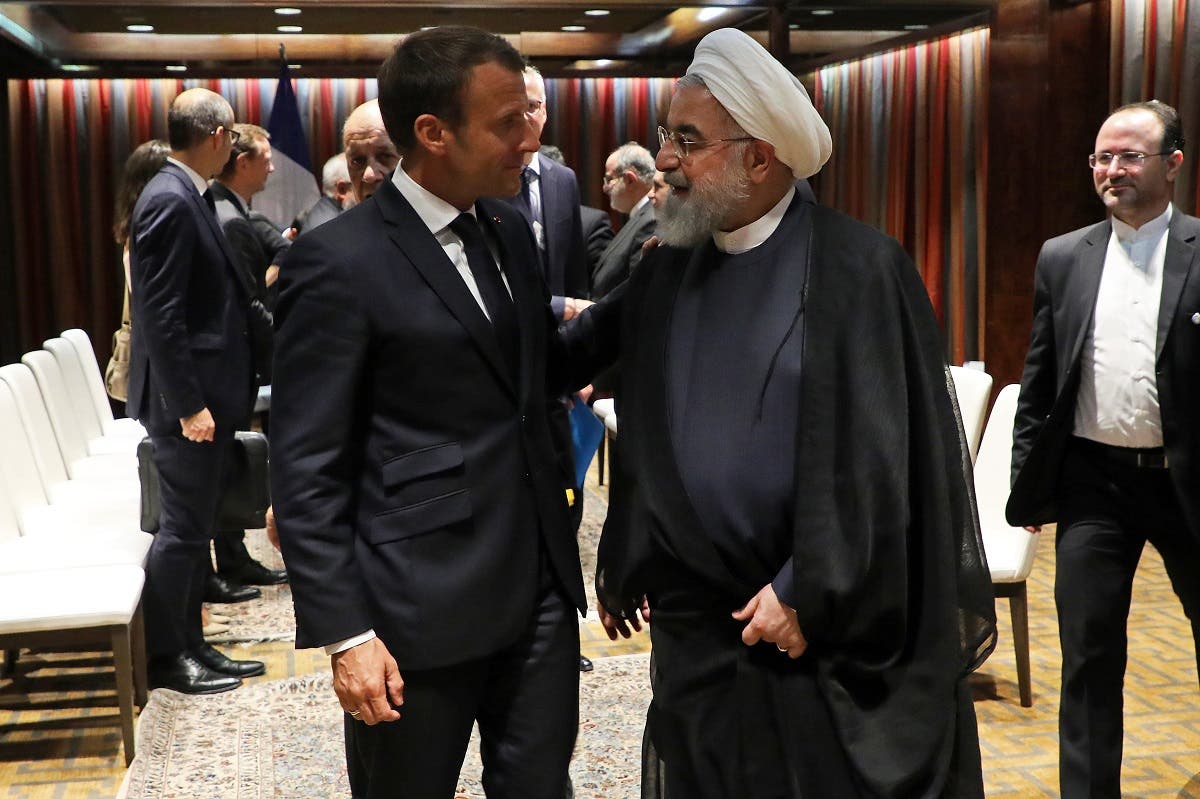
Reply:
x=525, y=698
x=1107, y=513
x=190, y=477
x=229, y=546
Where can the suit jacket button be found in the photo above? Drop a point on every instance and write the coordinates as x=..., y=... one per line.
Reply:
x=1196, y=319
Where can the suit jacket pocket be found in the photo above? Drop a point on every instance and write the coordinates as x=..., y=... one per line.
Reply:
x=423, y=517
x=422, y=463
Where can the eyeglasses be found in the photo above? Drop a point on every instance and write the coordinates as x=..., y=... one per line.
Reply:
x=609, y=178
x=233, y=134
x=1130, y=159
x=683, y=147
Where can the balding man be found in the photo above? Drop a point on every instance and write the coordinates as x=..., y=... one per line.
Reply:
x=337, y=195
x=370, y=155
x=191, y=382
x=790, y=496
x=628, y=181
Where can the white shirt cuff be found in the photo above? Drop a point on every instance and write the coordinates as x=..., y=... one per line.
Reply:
x=342, y=646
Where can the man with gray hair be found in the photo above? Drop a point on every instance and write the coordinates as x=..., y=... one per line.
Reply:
x=191, y=383
x=337, y=195
x=791, y=505
x=628, y=181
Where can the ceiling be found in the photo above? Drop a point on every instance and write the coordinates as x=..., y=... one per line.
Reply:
x=344, y=38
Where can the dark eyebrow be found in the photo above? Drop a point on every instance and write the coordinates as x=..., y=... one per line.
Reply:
x=689, y=130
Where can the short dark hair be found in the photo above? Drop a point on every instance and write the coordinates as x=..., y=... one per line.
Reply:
x=248, y=138
x=188, y=126
x=1172, y=139
x=428, y=71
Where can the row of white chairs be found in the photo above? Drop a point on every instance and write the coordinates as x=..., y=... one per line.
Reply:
x=71, y=551
x=1010, y=550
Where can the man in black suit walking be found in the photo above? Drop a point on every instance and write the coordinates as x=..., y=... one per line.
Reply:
x=191, y=382
x=628, y=181
x=418, y=503
x=1106, y=440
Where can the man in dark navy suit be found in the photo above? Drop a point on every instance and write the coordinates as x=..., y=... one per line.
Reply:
x=418, y=502
x=191, y=381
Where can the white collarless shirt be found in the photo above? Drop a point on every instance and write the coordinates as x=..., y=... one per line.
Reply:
x=746, y=238
x=1117, y=402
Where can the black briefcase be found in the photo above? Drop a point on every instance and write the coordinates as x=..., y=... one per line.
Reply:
x=247, y=490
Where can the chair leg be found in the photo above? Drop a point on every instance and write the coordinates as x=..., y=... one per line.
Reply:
x=123, y=661
x=10, y=662
x=600, y=459
x=1019, y=609
x=137, y=644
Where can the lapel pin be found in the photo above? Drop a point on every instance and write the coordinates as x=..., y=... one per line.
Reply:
x=496, y=219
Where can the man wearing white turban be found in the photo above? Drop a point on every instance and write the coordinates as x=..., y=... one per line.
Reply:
x=790, y=501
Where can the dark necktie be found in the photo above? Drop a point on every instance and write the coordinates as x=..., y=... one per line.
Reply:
x=523, y=196
x=491, y=287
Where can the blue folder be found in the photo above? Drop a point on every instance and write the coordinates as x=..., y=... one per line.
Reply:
x=586, y=432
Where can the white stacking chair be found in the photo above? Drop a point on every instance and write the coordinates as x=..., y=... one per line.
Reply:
x=95, y=384
x=97, y=604
x=95, y=482
x=1010, y=550
x=973, y=388
x=605, y=411
x=72, y=436
x=37, y=505
x=90, y=422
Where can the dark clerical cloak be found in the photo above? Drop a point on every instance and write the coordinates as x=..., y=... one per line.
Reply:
x=887, y=571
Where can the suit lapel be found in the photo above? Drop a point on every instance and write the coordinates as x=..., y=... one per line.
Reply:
x=551, y=202
x=1178, y=263
x=418, y=245
x=204, y=212
x=1083, y=283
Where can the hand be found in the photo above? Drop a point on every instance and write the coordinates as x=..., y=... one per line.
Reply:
x=199, y=426
x=290, y=234
x=272, y=530
x=585, y=393
x=573, y=306
x=773, y=622
x=1033, y=528
x=365, y=677
x=272, y=273
x=650, y=244
x=614, y=626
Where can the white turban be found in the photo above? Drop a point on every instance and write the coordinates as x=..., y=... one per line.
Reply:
x=764, y=98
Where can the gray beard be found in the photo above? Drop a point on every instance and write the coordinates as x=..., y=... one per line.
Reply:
x=687, y=223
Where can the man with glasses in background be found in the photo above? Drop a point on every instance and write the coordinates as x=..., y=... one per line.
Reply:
x=191, y=383
x=1106, y=441
x=789, y=504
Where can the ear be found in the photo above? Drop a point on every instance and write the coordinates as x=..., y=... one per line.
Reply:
x=431, y=134
x=629, y=178
x=1174, y=164
x=760, y=155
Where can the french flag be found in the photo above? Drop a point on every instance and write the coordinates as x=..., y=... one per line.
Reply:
x=291, y=188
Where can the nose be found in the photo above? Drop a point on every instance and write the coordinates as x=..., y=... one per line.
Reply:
x=529, y=142
x=373, y=173
x=666, y=160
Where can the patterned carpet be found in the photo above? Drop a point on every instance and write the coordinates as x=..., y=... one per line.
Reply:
x=58, y=735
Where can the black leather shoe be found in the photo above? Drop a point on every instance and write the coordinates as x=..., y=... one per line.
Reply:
x=254, y=573
x=218, y=661
x=585, y=664
x=186, y=674
x=219, y=589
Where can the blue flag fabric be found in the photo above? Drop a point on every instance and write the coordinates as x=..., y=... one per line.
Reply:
x=287, y=132
x=586, y=432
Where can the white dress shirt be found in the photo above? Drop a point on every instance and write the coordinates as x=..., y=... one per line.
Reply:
x=1118, y=393
x=437, y=214
x=535, y=201
x=752, y=235
x=200, y=183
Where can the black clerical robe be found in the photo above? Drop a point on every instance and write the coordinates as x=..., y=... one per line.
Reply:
x=887, y=571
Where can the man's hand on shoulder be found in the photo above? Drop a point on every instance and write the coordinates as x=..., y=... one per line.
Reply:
x=573, y=306
x=365, y=677
x=199, y=426
x=772, y=621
